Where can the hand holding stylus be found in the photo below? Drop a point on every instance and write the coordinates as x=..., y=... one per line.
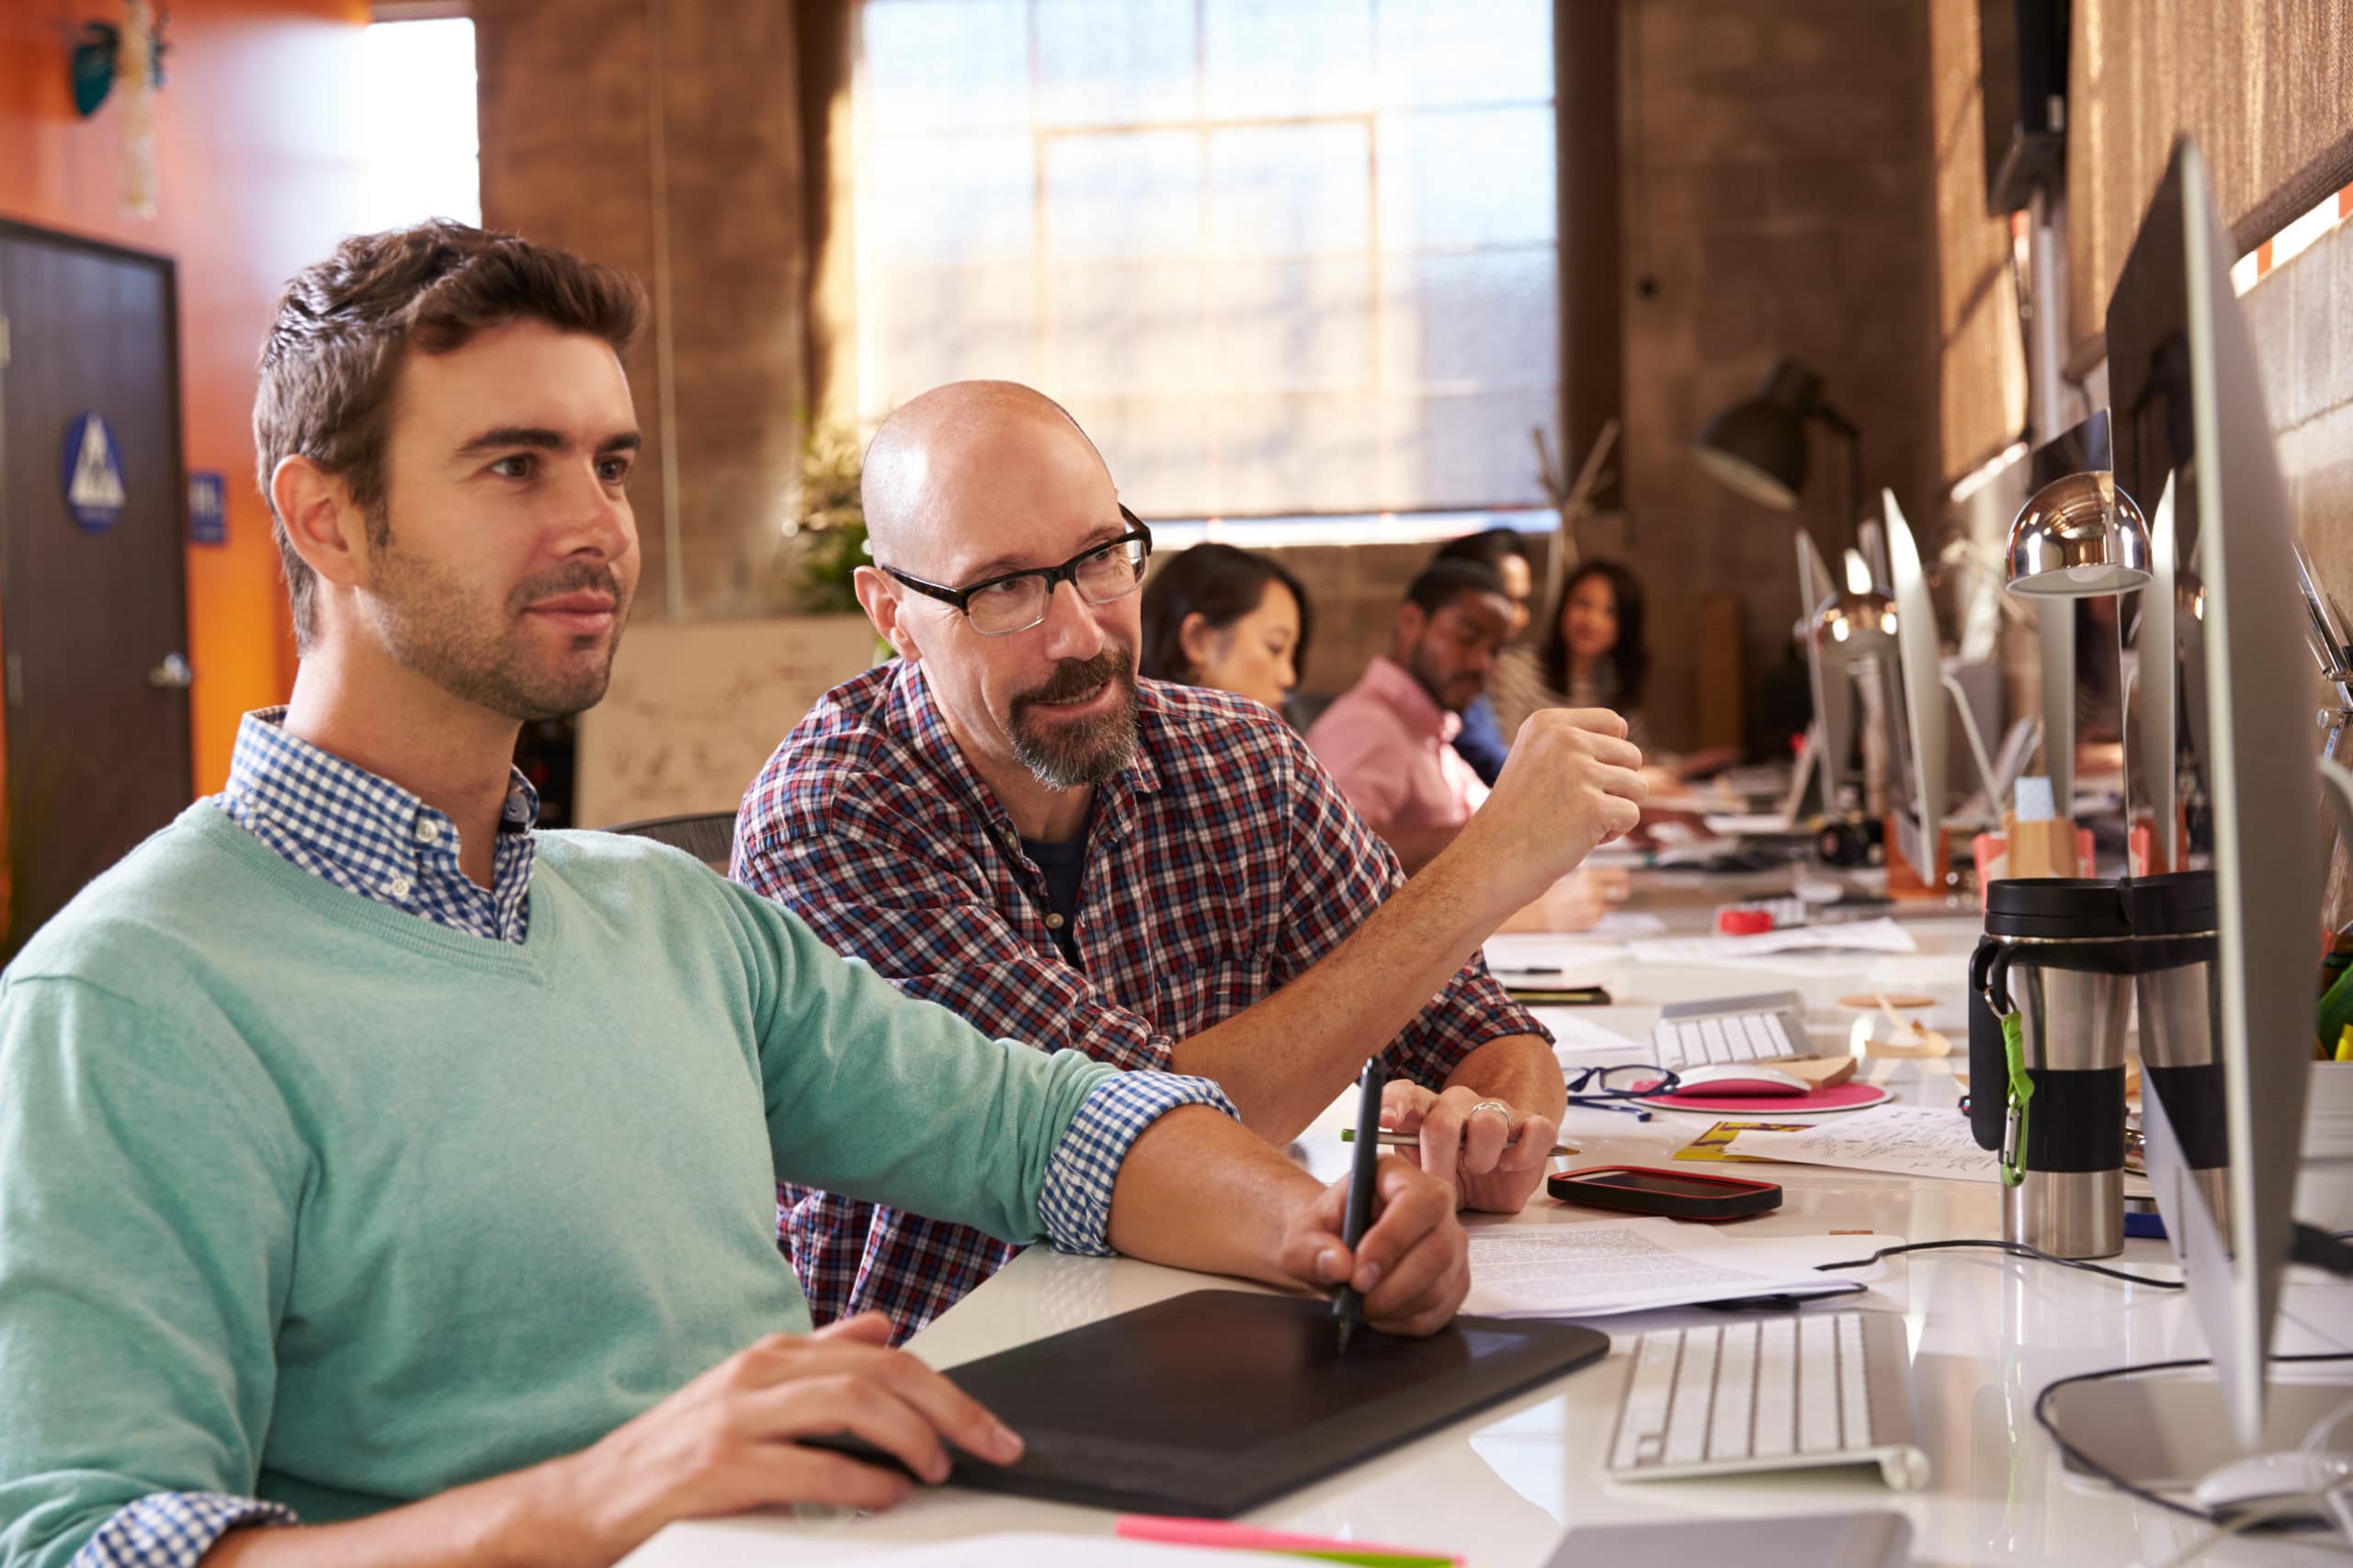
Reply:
x=1412, y=1269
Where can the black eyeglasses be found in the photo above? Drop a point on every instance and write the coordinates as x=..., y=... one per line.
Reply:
x=1019, y=601
x=1616, y=1088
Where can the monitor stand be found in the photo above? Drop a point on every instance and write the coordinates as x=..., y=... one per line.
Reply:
x=2167, y=1430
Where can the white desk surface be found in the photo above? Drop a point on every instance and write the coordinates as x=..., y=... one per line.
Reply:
x=1986, y=1331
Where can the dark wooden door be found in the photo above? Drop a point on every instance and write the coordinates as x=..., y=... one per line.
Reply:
x=93, y=606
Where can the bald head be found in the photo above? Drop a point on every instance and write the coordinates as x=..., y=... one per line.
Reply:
x=981, y=481
x=947, y=463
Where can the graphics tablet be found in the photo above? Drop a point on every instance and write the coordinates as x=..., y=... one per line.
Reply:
x=1213, y=1403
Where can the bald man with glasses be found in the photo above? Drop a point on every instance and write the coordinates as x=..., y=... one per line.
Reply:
x=1004, y=820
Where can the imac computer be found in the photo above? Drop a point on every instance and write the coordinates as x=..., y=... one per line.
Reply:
x=1919, y=662
x=1924, y=685
x=1830, y=739
x=2194, y=446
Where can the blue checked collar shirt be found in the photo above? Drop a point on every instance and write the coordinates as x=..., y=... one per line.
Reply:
x=1221, y=864
x=370, y=836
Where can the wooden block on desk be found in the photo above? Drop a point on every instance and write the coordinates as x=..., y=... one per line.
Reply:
x=2045, y=848
x=1820, y=1071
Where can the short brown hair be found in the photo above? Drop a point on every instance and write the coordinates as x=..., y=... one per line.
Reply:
x=333, y=356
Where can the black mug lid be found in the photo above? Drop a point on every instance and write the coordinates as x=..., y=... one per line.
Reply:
x=2177, y=903
x=2064, y=908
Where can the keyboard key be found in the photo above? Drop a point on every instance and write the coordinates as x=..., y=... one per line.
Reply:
x=1735, y=1394
x=1695, y=1388
x=1776, y=1432
x=1817, y=1380
x=1642, y=1417
x=1854, y=1381
x=1779, y=1036
x=1719, y=1046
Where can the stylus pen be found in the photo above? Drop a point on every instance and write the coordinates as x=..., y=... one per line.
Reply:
x=1413, y=1140
x=1348, y=1307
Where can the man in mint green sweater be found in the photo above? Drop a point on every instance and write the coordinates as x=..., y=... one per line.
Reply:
x=379, y=1169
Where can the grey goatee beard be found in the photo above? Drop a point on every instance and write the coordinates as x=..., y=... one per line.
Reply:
x=1073, y=756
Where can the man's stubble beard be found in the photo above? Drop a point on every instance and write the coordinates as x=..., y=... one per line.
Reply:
x=1425, y=677
x=429, y=625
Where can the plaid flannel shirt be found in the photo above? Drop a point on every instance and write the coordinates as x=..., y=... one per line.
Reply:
x=1220, y=864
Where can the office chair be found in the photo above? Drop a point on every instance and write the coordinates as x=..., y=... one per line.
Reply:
x=709, y=836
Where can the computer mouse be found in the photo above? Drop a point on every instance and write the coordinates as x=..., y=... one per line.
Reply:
x=1735, y=1079
x=2265, y=1481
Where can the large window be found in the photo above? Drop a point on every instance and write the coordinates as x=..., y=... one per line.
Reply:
x=417, y=104
x=1279, y=257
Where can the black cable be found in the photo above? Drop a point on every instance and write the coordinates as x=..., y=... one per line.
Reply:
x=2317, y=1248
x=2016, y=1249
x=2084, y=1461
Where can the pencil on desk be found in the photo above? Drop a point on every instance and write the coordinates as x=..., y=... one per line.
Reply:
x=1413, y=1140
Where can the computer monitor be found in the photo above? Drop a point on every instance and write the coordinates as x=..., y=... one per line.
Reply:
x=1832, y=737
x=1919, y=658
x=2190, y=414
x=2156, y=709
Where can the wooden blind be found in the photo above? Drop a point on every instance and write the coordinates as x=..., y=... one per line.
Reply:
x=2265, y=86
x=1981, y=350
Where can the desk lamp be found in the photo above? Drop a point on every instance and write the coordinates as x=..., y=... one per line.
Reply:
x=1851, y=630
x=2079, y=537
x=1857, y=622
x=1757, y=447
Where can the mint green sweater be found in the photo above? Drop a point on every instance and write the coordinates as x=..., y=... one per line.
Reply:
x=304, y=1198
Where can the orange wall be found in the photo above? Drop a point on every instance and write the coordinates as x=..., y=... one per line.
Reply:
x=257, y=145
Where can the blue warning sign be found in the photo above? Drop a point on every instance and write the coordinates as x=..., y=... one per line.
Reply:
x=208, y=509
x=90, y=470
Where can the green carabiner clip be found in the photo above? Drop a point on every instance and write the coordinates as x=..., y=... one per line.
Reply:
x=2021, y=1090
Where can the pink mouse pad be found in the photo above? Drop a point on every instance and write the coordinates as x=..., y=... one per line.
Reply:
x=1849, y=1095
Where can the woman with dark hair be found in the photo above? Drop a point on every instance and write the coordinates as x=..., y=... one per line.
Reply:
x=1592, y=654
x=1226, y=618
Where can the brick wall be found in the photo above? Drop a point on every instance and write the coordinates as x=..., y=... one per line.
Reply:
x=1778, y=199
x=576, y=96
x=1354, y=590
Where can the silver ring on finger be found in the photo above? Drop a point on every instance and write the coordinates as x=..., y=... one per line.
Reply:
x=1497, y=1105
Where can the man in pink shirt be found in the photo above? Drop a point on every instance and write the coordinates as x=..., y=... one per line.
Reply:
x=1389, y=738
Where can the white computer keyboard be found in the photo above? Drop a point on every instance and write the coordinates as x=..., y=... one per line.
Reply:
x=1769, y=1393
x=1729, y=1037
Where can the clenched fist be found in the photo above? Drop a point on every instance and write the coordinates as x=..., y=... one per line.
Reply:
x=1573, y=781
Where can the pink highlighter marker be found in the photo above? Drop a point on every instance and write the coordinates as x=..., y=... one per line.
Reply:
x=1220, y=1535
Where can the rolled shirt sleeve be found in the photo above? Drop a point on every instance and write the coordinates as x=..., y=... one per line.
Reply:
x=1076, y=1203
x=174, y=1530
